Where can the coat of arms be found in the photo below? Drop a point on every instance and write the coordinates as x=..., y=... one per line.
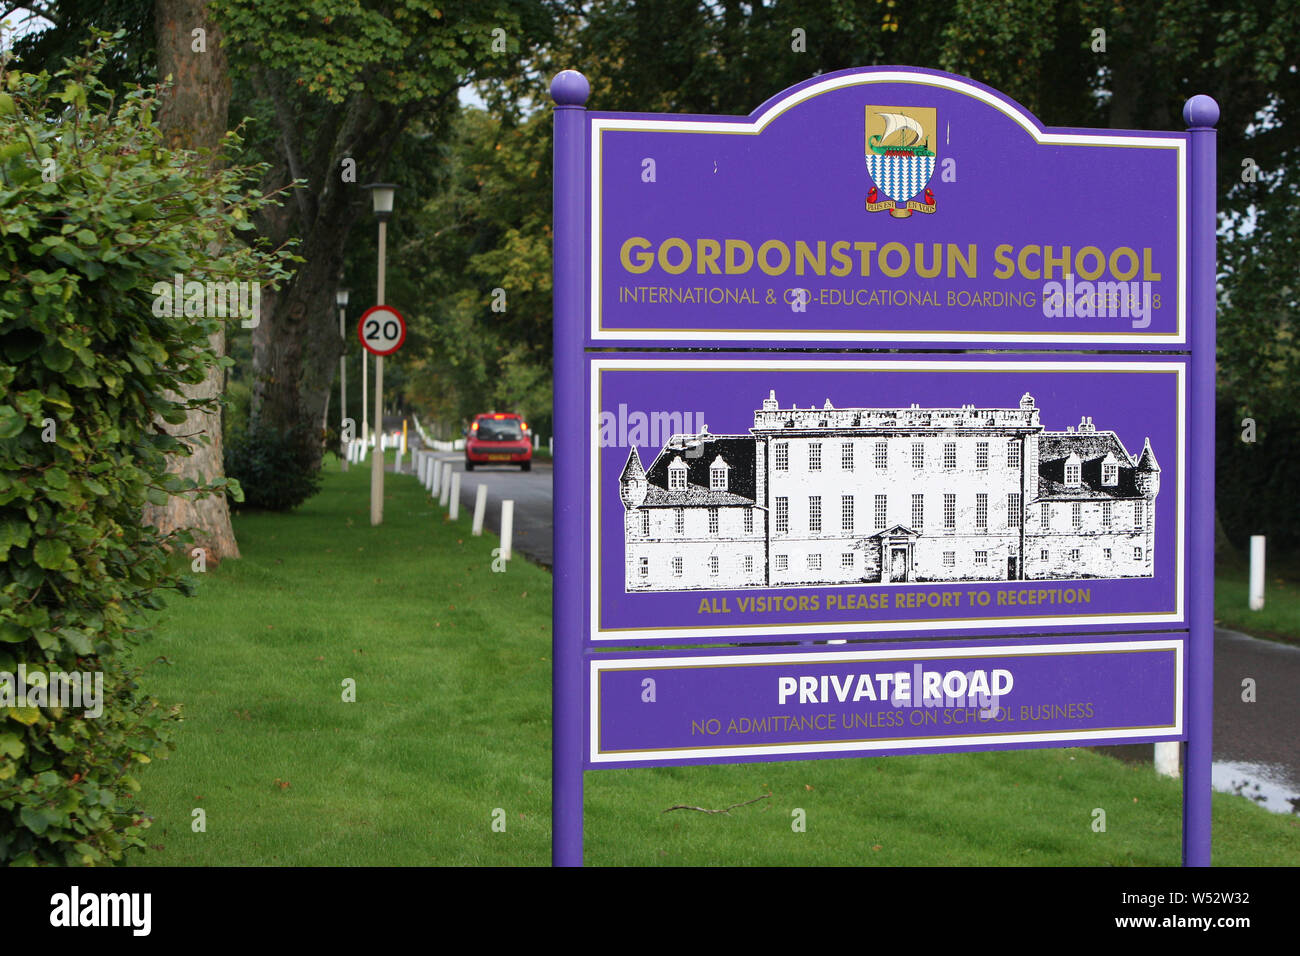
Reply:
x=900, y=158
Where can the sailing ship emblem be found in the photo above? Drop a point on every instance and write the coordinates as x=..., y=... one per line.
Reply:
x=900, y=158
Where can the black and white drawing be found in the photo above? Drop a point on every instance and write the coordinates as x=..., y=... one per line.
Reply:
x=834, y=496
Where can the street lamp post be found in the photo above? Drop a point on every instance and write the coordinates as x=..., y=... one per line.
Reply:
x=341, y=299
x=381, y=195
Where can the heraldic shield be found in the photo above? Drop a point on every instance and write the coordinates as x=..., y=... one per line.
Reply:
x=900, y=158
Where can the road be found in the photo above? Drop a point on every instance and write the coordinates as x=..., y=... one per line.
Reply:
x=1256, y=745
x=530, y=491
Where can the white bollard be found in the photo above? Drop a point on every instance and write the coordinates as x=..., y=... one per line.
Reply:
x=445, y=493
x=397, y=462
x=431, y=474
x=453, y=506
x=1167, y=758
x=436, y=483
x=480, y=509
x=537, y=441
x=507, y=527
x=550, y=445
x=1257, y=572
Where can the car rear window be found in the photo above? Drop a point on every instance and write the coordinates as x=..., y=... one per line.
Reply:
x=499, y=429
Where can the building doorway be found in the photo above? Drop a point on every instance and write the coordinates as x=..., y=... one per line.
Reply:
x=1013, y=569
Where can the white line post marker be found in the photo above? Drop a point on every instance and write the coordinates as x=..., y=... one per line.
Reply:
x=1167, y=757
x=480, y=509
x=436, y=483
x=507, y=527
x=397, y=462
x=1257, y=572
x=445, y=493
x=453, y=506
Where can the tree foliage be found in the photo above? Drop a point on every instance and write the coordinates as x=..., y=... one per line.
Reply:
x=94, y=211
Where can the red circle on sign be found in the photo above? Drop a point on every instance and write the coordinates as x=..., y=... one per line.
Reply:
x=382, y=316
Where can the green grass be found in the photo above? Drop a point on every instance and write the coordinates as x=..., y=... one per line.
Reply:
x=1279, y=619
x=452, y=722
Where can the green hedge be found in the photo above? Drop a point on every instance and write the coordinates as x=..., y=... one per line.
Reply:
x=94, y=211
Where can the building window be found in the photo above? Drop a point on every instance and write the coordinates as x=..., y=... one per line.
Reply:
x=1042, y=556
x=713, y=564
x=645, y=523
x=814, y=562
x=846, y=559
x=1047, y=517
x=815, y=456
x=1076, y=515
x=882, y=508
x=981, y=557
x=1013, y=454
x=982, y=512
x=949, y=559
x=713, y=521
x=718, y=475
x=950, y=455
x=782, y=456
x=882, y=454
x=677, y=476
x=749, y=564
x=846, y=456
x=1074, y=555
x=918, y=512
x=1137, y=515
x=950, y=511
x=1013, y=510
x=815, y=514
x=981, y=455
x=679, y=517
x=1137, y=554
x=749, y=521
x=918, y=455
x=643, y=566
x=846, y=514
x=1072, y=473
x=782, y=515
x=781, y=561
x=1105, y=514
x=1106, y=553
x=1109, y=473
x=677, y=567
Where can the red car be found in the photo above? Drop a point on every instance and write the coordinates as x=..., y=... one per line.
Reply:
x=499, y=437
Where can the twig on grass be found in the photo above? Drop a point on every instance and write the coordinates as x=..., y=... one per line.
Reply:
x=682, y=806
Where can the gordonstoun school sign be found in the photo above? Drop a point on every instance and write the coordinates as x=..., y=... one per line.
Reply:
x=1005, y=544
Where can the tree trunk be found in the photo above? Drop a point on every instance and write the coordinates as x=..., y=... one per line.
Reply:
x=193, y=116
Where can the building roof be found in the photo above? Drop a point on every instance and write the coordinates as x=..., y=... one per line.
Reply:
x=1092, y=448
x=698, y=453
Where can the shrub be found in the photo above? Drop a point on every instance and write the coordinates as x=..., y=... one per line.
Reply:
x=95, y=210
x=270, y=468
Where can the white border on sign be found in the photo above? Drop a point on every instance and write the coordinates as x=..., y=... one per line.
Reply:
x=599, y=664
x=597, y=492
x=599, y=124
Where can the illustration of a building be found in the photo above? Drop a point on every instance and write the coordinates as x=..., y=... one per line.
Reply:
x=826, y=496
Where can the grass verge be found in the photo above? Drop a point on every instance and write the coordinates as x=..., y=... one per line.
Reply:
x=450, y=732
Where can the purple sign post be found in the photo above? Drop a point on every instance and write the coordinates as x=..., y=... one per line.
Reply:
x=974, y=551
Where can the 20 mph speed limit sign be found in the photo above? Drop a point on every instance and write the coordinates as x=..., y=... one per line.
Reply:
x=382, y=330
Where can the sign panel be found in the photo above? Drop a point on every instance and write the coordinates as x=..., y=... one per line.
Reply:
x=382, y=330
x=884, y=206
x=771, y=497
x=729, y=707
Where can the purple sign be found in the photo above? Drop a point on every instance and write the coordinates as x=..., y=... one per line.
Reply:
x=884, y=206
x=766, y=497
x=730, y=707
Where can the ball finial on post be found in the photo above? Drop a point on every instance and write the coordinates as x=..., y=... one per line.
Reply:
x=570, y=88
x=1201, y=111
